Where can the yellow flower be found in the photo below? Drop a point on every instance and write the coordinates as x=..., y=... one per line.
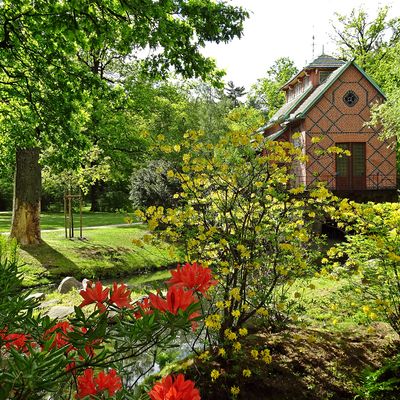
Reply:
x=204, y=356
x=243, y=331
x=266, y=356
x=237, y=346
x=222, y=352
x=246, y=373
x=254, y=354
x=236, y=313
x=225, y=271
x=235, y=390
x=262, y=311
x=220, y=305
x=214, y=374
x=235, y=293
x=213, y=321
x=230, y=335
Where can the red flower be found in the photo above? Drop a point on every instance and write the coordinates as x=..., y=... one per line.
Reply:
x=17, y=341
x=89, y=385
x=121, y=296
x=61, y=339
x=94, y=294
x=193, y=276
x=177, y=299
x=111, y=382
x=86, y=386
x=144, y=306
x=178, y=389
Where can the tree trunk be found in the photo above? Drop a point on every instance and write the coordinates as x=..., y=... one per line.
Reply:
x=26, y=203
x=95, y=192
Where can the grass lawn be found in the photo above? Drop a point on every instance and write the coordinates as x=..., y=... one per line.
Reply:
x=56, y=220
x=106, y=253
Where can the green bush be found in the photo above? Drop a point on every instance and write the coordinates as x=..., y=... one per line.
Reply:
x=382, y=384
x=150, y=186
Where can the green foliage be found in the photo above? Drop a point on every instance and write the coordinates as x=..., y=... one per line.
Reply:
x=150, y=186
x=365, y=39
x=266, y=94
x=382, y=384
x=372, y=252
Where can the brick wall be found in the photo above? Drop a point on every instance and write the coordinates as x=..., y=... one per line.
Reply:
x=336, y=122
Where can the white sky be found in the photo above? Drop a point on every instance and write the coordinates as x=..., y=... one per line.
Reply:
x=284, y=28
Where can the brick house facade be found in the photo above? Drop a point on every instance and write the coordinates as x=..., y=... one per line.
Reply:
x=328, y=104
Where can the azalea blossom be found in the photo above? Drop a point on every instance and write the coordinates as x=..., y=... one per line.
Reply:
x=193, y=276
x=174, y=389
x=121, y=296
x=110, y=382
x=18, y=341
x=177, y=299
x=88, y=384
x=144, y=308
x=60, y=334
x=95, y=294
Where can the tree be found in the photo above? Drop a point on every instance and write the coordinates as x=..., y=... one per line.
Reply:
x=234, y=93
x=375, y=44
x=52, y=68
x=266, y=94
x=365, y=39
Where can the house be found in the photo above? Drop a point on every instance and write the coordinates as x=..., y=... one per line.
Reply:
x=328, y=105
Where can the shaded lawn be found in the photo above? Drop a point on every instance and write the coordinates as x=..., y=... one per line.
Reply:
x=106, y=253
x=56, y=220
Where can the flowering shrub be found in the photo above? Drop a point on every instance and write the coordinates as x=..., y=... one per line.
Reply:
x=371, y=257
x=91, y=354
x=240, y=213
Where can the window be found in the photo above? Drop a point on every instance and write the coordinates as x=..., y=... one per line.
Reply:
x=351, y=170
x=323, y=76
x=350, y=98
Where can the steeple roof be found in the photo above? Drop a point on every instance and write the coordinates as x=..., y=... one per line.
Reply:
x=325, y=61
x=322, y=62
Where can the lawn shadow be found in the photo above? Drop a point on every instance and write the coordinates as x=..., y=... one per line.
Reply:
x=55, y=263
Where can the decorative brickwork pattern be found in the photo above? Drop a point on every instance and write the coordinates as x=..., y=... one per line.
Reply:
x=334, y=121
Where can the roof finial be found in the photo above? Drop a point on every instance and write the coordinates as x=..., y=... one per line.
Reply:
x=323, y=49
x=313, y=44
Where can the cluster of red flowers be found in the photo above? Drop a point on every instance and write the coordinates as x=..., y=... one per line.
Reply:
x=185, y=282
x=89, y=385
x=120, y=296
x=17, y=341
x=193, y=276
x=174, y=389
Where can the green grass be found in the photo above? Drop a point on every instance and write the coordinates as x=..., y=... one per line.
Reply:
x=331, y=304
x=106, y=253
x=56, y=220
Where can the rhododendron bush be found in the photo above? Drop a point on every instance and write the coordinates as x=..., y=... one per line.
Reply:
x=91, y=354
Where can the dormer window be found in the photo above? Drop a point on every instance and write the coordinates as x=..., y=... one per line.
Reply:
x=323, y=76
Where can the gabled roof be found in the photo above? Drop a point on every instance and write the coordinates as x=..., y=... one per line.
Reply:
x=320, y=90
x=284, y=112
x=298, y=108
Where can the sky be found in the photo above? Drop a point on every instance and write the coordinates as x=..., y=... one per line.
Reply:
x=284, y=28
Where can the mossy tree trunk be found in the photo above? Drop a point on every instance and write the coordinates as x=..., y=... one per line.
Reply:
x=26, y=202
